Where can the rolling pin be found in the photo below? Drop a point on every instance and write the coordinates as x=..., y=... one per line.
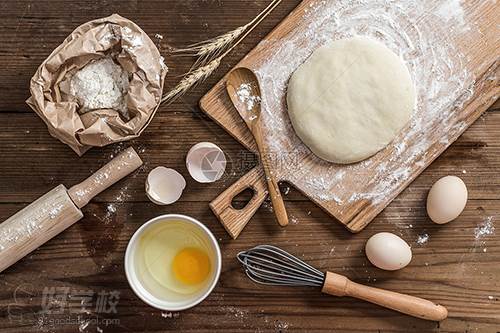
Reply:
x=58, y=209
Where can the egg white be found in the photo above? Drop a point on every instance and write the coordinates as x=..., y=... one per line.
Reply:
x=157, y=249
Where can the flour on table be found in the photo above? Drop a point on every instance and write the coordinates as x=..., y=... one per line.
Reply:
x=102, y=84
x=422, y=238
x=424, y=47
x=486, y=228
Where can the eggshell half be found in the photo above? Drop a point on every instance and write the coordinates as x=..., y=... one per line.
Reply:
x=164, y=186
x=206, y=162
x=388, y=251
x=447, y=199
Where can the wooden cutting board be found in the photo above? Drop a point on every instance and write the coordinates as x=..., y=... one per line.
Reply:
x=452, y=51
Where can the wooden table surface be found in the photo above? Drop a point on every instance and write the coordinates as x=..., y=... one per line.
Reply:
x=76, y=282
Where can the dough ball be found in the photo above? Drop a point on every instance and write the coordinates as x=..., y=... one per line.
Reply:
x=350, y=99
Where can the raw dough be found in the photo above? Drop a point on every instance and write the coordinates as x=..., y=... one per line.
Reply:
x=350, y=99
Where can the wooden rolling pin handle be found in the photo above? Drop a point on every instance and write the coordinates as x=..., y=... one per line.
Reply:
x=122, y=165
x=339, y=285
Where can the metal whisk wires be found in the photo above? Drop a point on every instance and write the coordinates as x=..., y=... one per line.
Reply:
x=267, y=264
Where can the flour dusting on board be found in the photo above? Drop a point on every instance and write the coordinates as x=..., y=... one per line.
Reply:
x=425, y=49
x=451, y=10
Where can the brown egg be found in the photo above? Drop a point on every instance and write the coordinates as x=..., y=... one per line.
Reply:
x=447, y=199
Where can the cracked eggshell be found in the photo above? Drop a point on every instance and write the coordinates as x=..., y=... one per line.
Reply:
x=206, y=162
x=164, y=186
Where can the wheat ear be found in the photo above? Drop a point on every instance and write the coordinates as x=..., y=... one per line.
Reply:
x=191, y=79
x=214, y=47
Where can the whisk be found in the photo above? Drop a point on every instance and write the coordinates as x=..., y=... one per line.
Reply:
x=267, y=264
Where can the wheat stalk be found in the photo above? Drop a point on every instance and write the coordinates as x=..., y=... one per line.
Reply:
x=210, y=54
x=207, y=50
x=212, y=48
x=191, y=79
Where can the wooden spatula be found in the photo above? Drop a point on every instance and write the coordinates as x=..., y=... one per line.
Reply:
x=243, y=88
x=58, y=209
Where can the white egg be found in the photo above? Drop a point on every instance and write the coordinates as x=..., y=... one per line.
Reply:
x=447, y=199
x=388, y=251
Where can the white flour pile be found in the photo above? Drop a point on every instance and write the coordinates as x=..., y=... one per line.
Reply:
x=101, y=84
x=246, y=97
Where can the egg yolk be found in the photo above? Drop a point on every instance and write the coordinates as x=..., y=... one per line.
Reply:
x=191, y=266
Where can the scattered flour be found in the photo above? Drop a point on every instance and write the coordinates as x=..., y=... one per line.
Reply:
x=268, y=205
x=281, y=326
x=236, y=312
x=101, y=84
x=422, y=239
x=111, y=208
x=486, y=228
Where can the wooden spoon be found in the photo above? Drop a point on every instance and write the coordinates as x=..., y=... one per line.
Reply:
x=244, y=91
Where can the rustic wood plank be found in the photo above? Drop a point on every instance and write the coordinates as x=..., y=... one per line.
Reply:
x=42, y=161
x=454, y=276
x=98, y=243
x=450, y=268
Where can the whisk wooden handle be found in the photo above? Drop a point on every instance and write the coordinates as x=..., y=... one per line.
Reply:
x=339, y=285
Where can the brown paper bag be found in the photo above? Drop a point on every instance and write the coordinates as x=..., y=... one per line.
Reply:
x=129, y=46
